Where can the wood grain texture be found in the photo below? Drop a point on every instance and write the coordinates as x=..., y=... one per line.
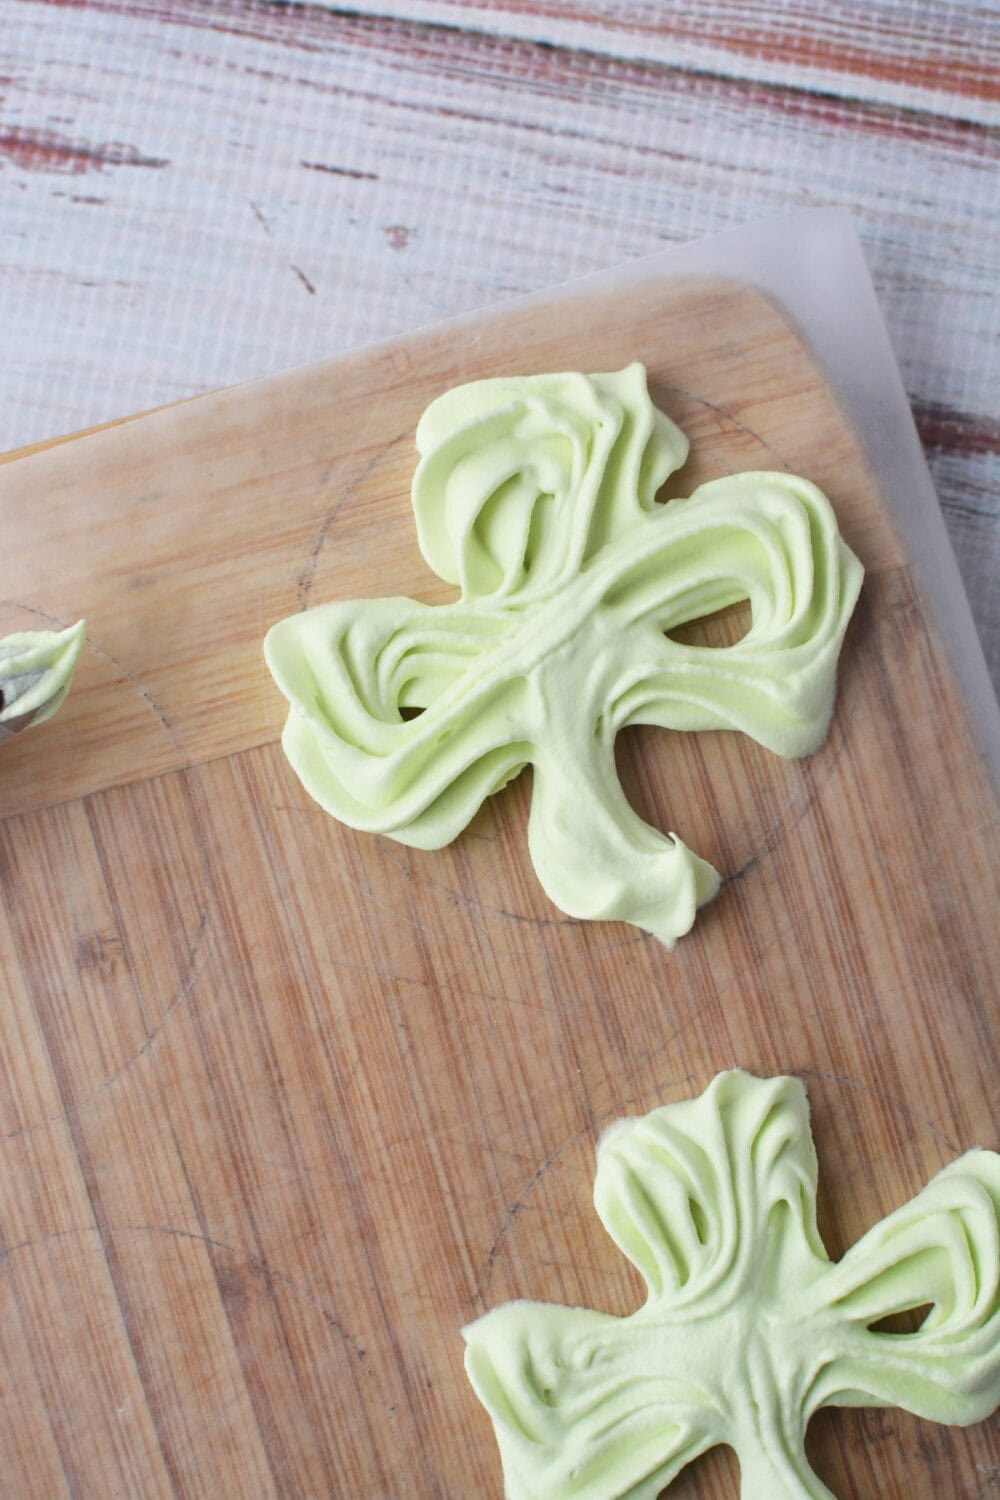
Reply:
x=284, y=1105
x=945, y=59
x=194, y=192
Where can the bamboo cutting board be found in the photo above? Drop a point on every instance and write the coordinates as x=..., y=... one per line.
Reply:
x=284, y=1106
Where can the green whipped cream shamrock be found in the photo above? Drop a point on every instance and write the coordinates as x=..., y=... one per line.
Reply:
x=36, y=669
x=536, y=495
x=748, y=1328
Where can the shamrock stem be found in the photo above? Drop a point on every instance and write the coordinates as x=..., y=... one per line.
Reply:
x=595, y=856
x=764, y=1479
x=775, y=1467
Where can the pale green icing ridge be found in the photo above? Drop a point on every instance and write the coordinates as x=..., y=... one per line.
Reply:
x=36, y=669
x=748, y=1327
x=537, y=497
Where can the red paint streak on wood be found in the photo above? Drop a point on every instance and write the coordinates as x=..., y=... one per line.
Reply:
x=415, y=45
x=911, y=53
x=954, y=431
x=897, y=122
x=398, y=235
x=48, y=151
x=885, y=53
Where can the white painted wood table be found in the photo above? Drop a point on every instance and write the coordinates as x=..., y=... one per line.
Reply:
x=193, y=192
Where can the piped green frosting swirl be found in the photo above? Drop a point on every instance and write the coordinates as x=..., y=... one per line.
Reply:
x=36, y=669
x=748, y=1328
x=537, y=497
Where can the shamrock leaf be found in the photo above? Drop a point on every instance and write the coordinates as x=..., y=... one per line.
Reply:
x=747, y=1328
x=537, y=496
x=36, y=669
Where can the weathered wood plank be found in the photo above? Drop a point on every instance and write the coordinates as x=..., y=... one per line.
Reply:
x=941, y=58
x=945, y=59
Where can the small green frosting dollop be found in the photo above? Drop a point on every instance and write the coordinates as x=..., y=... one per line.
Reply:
x=36, y=669
x=537, y=497
x=748, y=1328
